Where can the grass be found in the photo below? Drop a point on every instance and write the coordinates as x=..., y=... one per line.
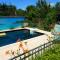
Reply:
x=51, y=54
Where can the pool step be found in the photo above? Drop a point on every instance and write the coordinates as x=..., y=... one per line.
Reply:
x=2, y=34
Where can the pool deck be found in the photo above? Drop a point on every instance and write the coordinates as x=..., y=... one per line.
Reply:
x=1, y=31
x=31, y=43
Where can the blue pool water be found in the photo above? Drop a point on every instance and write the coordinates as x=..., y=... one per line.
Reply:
x=10, y=22
x=13, y=36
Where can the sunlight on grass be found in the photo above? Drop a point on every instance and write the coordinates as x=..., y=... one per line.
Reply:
x=51, y=54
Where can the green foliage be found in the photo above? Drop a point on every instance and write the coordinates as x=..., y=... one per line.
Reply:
x=43, y=15
x=31, y=12
x=52, y=54
x=10, y=10
x=7, y=10
x=57, y=6
x=50, y=19
x=20, y=12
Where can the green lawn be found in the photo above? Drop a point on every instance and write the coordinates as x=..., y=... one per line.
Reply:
x=51, y=54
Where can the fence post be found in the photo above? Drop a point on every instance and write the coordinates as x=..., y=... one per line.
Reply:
x=39, y=49
x=35, y=54
x=32, y=55
x=20, y=57
x=44, y=46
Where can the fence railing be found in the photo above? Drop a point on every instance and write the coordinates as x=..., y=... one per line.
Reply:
x=30, y=55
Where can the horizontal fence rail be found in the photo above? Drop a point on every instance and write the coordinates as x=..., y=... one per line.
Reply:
x=34, y=52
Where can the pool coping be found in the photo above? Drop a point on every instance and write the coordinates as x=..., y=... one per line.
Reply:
x=35, y=40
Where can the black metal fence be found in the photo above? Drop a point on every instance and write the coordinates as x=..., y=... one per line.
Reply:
x=30, y=55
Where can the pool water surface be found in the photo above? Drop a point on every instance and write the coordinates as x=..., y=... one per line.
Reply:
x=13, y=36
x=10, y=22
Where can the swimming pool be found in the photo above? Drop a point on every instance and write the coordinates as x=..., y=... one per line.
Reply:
x=13, y=36
x=10, y=22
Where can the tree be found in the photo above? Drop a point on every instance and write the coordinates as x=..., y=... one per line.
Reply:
x=50, y=19
x=20, y=12
x=57, y=7
x=7, y=10
x=42, y=15
x=11, y=10
x=30, y=12
x=31, y=15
